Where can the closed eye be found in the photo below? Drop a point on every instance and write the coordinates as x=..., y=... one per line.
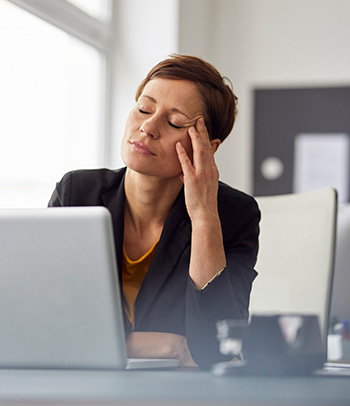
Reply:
x=174, y=126
x=177, y=127
x=144, y=112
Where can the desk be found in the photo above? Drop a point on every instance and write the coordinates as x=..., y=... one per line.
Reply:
x=170, y=388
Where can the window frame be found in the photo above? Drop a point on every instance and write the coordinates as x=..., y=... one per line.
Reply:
x=94, y=32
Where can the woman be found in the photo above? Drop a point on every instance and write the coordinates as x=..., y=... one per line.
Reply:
x=186, y=243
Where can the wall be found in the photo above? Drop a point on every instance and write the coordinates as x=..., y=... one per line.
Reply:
x=146, y=32
x=268, y=43
x=256, y=43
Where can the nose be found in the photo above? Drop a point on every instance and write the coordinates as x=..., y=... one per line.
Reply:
x=151, y=127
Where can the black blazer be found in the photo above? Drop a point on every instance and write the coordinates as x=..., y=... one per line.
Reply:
x=168, y=300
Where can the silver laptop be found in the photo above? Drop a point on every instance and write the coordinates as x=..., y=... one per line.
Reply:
x=60, y=304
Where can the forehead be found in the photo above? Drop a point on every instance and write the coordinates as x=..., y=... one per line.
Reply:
x=180, y=94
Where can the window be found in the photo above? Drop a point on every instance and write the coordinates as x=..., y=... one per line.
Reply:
x=99, y=9
x=52, y=103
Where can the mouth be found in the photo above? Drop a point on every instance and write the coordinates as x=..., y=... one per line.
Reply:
x=142, y=148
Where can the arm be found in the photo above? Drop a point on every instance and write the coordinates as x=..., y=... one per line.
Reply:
x=230, y=241
x=227, y=297
x=201, y=189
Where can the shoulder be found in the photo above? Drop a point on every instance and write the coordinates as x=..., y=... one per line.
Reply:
x=102, y=178
x=237, y=210
x=230, y=198
x=86, y=187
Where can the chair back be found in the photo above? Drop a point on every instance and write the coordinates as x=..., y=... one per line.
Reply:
x=296, y=255
x=340, y=303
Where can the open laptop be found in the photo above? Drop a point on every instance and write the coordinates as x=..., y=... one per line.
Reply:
x=60, y=305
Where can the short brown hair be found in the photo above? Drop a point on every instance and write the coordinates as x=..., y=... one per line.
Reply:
x=219, y=100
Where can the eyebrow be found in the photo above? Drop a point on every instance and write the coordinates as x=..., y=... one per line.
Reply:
x=174, y=109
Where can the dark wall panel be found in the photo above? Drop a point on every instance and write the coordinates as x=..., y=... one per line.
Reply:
x=280, y=115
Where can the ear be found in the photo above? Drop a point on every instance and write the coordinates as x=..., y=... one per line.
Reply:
x=215, y=144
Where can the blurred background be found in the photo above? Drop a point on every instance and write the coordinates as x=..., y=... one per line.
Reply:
x=69, y=71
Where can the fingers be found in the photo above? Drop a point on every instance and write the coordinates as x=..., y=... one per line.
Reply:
x=185, y=161
x=201, y=144
x=199, y=172
x=209, y=141
x=199, y=133
x=203, y=148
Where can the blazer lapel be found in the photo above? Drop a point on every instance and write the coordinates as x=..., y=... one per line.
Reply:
x=175, y=238
x=114, y=199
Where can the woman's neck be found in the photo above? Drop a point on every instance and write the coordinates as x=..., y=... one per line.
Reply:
x=149, y=199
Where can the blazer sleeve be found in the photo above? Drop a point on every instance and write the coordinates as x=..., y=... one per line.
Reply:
x=227, y=296
x=87, y=187
x=61, y=195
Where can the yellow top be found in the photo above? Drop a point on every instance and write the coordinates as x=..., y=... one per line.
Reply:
x=134, y=273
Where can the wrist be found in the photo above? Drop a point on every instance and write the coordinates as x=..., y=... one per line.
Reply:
x=206, y=220
x=214, y=277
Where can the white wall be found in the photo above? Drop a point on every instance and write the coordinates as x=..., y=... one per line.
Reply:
x=261, y=43
x=256, y=43
x=146, y=32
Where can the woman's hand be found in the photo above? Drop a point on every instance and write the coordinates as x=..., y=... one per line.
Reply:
x=159, y=345
x=200, y=177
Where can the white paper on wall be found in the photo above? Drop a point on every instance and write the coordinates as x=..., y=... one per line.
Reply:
x=322, y=160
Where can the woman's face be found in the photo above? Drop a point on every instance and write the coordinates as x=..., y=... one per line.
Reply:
x=162, y=116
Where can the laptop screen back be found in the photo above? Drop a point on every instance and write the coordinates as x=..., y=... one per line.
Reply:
x=60, y=300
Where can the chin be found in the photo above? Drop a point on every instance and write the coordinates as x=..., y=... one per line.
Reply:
x=147, y=170
x=151, y=168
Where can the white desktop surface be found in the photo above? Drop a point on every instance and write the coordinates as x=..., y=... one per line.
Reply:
x=170, y=388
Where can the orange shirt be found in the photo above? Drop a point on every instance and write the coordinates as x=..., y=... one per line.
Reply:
x=134, y=273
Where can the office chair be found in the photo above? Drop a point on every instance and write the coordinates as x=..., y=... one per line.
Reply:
x=340, y=303
x=296, y=255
